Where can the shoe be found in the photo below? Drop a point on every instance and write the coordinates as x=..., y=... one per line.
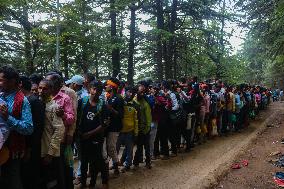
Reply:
x=77, y=181
x=116, y=172
x=136, y=167
x=165, y=157
x=125, y=169
x=173, y=155
x=282, y=141
x=92, y=184
x=82, y=186
x=104, y=186
x=187, y=150
x=148, y=166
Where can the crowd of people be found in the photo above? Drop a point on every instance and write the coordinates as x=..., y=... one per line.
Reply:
x=109, y=127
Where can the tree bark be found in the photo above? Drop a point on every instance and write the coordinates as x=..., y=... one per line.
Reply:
x=27, y=43
x=65, y=58
x=84, y=53
x=130, y=67
x=159, y=52
x=219, y=70
x=115, y=55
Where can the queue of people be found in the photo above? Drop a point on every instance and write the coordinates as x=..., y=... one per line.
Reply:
x=47, y=123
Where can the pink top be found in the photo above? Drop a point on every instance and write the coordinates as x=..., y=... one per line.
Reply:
x=64, y=101
x=207, y=103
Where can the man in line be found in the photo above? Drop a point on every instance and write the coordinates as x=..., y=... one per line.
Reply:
x=17, y=113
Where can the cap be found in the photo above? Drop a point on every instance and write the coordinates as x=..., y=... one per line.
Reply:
x=77, y=79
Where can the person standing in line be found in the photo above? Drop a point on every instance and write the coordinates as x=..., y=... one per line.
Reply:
x=115, y=105
x=52, y=137
x=31, y=162
x=16, y=111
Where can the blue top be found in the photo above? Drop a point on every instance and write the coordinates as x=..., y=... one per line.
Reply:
x=24, y=125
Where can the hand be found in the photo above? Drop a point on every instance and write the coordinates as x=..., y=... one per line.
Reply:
x=106, y=122
x=86, y=136
x=68, y=139
x=60, y=112
x=47, y=160
x=4, y=111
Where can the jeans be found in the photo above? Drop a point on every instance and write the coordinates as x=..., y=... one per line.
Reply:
x=53, y=175
x=111, y=146
x=142, y=140
x=153, y=132
x=92, y=153
x=127, y=140
x=11, y=175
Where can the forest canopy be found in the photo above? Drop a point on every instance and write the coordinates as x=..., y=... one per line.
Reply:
x=160, y=39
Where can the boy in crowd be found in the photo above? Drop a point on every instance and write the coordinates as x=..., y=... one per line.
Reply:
x=115, y=105
x=144, y=127
x=130, y=128
x=92, y=117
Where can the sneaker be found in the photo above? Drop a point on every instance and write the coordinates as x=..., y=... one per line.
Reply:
x=125, y=169
x=77, y=181
x=282, y=141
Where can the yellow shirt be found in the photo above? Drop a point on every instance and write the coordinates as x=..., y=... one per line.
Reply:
x=130, y=119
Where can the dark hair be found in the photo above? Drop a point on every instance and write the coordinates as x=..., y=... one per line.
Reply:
x=57, y=80
x=166, y=85
x=55, y=72
x=10, y=73
x=131, y=89
x=97, y=84
x=48, y=82
x=26, y=83
x=35, y=78
x=89, y=76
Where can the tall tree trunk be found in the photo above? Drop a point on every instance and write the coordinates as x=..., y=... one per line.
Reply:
x=84, y=54
x=130, y=67
x=219, y=70
x=115, y=55
x=159, y=53
x=65, y=58
x=27, y=43
x=97, y=65
x=172, y=41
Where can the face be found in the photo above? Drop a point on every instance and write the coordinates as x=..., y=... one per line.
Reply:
x=108, y=88
x=128, y=94
x=141, y=89
x=5, y=84
x=94, y=92
x=34, y=88
x=44, y=90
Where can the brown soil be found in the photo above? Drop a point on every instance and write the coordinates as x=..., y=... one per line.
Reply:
x=208, y=163
x=259, y=173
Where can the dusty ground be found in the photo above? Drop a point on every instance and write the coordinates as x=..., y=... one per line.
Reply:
x=259, y=173
x=202, y=167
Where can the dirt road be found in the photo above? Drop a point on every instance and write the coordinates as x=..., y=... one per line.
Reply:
x=259, y=173
x=199, y=168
